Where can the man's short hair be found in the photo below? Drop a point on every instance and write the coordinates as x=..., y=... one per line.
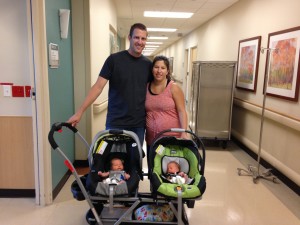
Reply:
x=137, y=26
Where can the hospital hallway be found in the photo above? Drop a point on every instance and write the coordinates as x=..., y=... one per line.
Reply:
x=229, y=199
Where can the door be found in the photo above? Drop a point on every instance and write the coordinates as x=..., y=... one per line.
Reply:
x=37, y=46
x=190, y=59
x=24, y=67
x=193, y=99
x=16, y=111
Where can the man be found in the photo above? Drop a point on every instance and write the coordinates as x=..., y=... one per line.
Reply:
x=128, y=72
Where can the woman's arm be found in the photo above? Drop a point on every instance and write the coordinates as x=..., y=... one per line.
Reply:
x=178, y=97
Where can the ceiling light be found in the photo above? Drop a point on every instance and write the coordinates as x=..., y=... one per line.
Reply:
x=167, y=14
x=151, y=46
x=161, y=29
x=157, y=38
x=153, y=43
x=147, y=53
x=150, y=49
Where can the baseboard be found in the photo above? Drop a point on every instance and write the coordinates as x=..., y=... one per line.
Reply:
x=288, y=182
x=30, y=193
x=61, y=184
x=17, y=193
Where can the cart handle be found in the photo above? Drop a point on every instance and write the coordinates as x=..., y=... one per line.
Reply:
x=56, y=127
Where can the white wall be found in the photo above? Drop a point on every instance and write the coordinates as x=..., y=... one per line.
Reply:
x=91, y=48
x=102, y=13
x=218, y=39
x=80, y=30
x=14, y=56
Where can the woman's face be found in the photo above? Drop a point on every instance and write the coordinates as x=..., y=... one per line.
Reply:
x=160, y=70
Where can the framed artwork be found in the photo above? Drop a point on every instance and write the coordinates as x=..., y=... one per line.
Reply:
x=283, y=64
x=113, y=46
x=248, y=60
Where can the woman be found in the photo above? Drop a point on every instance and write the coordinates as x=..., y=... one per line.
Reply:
x=165, y=105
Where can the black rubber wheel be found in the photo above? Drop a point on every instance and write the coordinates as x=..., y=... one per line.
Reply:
x=224, y=144
x=190, y=203
x=90, y=218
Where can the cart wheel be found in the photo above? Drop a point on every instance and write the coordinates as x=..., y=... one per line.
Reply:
x=190, y=203
x=224, y=144
x=90, y=217
x=239, y=172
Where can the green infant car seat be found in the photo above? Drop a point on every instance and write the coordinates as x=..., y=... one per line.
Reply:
x=186, y=153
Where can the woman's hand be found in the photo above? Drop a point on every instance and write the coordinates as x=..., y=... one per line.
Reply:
x=184, y=135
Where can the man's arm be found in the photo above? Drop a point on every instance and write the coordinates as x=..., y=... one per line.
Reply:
x=94, y=92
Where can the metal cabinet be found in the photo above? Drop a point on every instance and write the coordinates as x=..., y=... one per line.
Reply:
x=211, y=98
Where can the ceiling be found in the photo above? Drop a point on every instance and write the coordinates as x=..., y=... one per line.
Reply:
x=131, y=11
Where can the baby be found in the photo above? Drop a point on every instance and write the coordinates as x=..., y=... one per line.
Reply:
x=116, y=164
x=174, y=175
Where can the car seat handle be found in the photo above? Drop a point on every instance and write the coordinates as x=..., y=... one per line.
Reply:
x=116, y=131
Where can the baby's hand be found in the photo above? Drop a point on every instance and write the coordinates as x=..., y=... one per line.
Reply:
x=103, y=174
x=184, y=175
x=127, y=176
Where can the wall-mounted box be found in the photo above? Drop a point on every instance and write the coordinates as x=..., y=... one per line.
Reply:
x=27, y=91
x=7, y=91
x=18, y=91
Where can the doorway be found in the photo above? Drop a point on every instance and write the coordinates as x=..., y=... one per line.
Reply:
x=18, y=108
x=190, y=57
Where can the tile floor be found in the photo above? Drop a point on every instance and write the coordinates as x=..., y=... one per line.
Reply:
x=229, y=199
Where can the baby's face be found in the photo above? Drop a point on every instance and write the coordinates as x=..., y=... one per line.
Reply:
x=117, y=164
x=173, y=168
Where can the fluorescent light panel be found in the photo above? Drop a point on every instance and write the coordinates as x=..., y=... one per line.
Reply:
x=151, y=46
x=161, y=29
x=167, y=14
x=153, y=43
x=157, y=38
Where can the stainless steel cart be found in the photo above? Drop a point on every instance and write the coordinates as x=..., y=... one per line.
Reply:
x=211, y=98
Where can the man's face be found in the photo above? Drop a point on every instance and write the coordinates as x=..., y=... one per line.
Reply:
x=137, y=42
